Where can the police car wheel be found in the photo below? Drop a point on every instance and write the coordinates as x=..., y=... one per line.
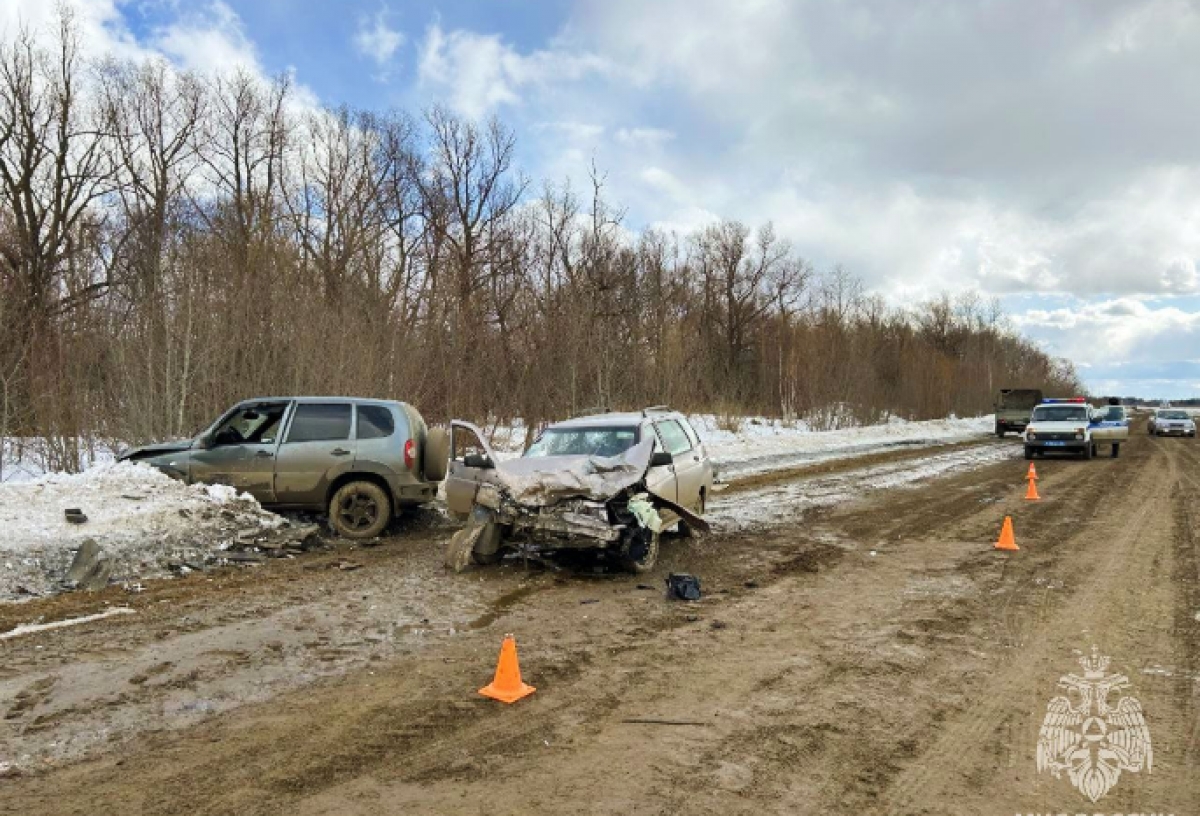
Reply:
x=1028, y=452
x=1116, y=450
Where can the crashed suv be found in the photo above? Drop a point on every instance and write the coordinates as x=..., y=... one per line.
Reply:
x=360, y=460
x=610, y=482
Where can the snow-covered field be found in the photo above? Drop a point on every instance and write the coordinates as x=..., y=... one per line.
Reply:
x=141, y=519
x=760, y=444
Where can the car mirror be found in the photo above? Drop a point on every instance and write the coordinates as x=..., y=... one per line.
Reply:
x=204, y=442
x=661, y=459
x=478, y=460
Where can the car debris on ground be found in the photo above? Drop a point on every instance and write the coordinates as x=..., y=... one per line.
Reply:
x=141, y=524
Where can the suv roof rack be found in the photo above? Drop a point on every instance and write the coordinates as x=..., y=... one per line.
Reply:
x=600, y=409
x=656, y=409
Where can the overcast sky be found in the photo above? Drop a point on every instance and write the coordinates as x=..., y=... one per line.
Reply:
x=1044, y=152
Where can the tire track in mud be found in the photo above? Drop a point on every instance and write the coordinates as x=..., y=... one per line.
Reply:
x=1106, y=568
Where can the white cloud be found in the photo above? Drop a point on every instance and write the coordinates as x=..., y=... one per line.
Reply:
x=644, y=136
x=480, y=72
x=209, y=39
x=377, y=41
x=102, y=29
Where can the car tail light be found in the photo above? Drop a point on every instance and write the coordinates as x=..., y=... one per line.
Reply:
x=410, y=454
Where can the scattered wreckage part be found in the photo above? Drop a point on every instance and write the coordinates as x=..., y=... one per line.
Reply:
x=683, y=587
x=33, y=628
x=694, y=522
x=461, y=546
x=89, y=570
x=74, y=515
x=435, y=457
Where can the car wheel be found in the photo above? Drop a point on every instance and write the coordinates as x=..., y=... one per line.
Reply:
x=1089, y=451
x=1000, y=433
x=1028, y=452
x=360, y=510
x=641, y=552
x=1116, y=450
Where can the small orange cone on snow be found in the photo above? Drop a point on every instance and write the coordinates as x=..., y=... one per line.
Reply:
x=1031, y=494
x=506, y=686
x=1032, y=474
x=1007, y=540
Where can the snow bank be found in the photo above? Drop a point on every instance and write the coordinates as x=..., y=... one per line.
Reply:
x=141, y=519
x=762, y=444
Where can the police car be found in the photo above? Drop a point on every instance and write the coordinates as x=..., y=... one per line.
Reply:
x=1064, y=426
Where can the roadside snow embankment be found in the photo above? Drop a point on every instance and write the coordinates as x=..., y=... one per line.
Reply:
x=763, y=445
x=143, y=522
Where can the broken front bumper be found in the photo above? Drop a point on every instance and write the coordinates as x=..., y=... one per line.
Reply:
x=574, y=524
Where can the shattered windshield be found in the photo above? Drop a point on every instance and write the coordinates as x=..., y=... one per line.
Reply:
x=583, y=442
x=1060, y=413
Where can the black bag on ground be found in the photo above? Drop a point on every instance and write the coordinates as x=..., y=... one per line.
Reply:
x=683, y=587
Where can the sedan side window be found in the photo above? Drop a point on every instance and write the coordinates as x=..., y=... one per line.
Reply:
x=674, y=438
x=320, y=422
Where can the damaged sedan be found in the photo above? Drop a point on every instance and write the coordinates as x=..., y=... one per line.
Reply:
x=610, y=482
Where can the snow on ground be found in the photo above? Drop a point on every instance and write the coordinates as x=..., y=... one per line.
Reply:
x=784, y=501
x=141, y=519
x=761, y=444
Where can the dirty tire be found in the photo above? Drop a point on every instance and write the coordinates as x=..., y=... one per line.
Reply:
x=1116, y=450
x=1089, y=451
x=1028, y=452
x=646, y=562
x=360, y=510
x=435, y=457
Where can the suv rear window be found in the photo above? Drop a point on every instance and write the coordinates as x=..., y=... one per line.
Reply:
x=320, y=422
x=375, y=422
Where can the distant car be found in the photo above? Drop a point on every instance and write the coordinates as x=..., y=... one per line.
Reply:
x=1173, y=422
x=359, y=460
x=607, y=482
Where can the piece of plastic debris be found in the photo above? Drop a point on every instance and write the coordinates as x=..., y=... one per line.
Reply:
x=683, y=587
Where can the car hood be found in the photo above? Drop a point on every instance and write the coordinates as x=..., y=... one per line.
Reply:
x=157, y=449
x=544, y=480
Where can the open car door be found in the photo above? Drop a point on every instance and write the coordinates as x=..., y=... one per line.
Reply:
x=471, y=460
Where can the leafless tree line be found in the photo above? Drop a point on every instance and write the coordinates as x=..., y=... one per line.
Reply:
x=170, y=243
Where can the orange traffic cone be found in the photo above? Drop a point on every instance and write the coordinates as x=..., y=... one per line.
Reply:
x=1032, y=474
x=1032, y=493
x=1007, y=540
x=506, y=686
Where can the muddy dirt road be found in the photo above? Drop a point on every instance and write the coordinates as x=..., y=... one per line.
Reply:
x=860, y=649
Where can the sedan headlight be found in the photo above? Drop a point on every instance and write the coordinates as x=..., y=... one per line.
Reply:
x=1078, y=435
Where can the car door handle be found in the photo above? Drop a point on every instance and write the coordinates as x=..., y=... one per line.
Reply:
x=339, y=452
x=263, y=455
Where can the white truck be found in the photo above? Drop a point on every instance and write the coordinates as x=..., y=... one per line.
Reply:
x=1073, y=426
